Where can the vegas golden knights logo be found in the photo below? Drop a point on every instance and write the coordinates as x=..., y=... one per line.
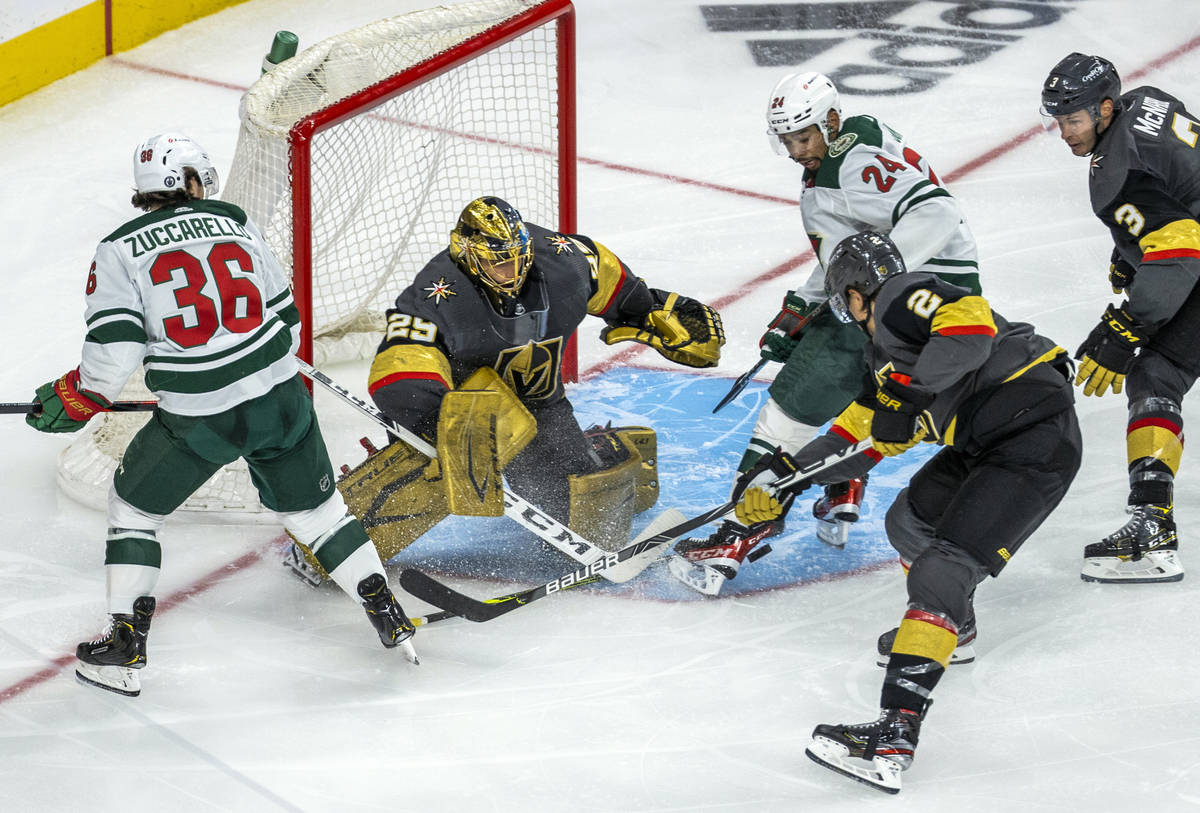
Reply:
x=532, y=371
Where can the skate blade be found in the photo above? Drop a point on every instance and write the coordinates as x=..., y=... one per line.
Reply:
x=961, y=656
x=118, y=679
x=880, y=773
x=294, y=561
x=1155, y=566
x=700, y=578
x=834, y=534
x=410, y=652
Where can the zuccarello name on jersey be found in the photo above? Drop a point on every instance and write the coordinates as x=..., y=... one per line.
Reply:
x=182, y=229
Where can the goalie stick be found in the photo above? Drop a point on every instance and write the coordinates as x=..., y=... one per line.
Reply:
x=118, y=406
x=428, y=589
x=516, y=507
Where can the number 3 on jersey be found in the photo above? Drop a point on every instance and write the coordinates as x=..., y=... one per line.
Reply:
x=240, y=308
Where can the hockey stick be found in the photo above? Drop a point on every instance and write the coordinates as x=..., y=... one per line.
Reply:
x=429, y=589
x=32, y=408
x=516, y=507
x=745, y=377
x=740, y=385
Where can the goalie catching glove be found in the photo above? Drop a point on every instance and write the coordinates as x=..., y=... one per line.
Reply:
x=679, y=328
x=65, y=407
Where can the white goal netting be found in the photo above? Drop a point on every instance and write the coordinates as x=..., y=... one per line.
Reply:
x=355, y=158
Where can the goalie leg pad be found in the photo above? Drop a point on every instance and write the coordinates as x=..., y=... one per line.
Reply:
x=398, y=495
x=615, y=444
x=602, y=503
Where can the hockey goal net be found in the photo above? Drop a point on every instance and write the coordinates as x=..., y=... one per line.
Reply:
x=355, y=158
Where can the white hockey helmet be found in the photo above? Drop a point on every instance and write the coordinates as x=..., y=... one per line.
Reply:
x=159, y=161
x=798, y=101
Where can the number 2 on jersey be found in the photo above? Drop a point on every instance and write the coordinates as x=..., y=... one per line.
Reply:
x=231, y=290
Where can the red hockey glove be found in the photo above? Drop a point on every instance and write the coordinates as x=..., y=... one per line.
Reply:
x=65, y=407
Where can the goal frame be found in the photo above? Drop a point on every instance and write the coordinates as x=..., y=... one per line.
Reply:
x=559, y=12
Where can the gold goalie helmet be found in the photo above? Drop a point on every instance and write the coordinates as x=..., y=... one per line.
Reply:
x=492, y=246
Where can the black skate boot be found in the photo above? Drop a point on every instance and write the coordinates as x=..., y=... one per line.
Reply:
x=963, y=653
x=1145, y=549
x=838, y=509
x=872, y=753
x=109, y=661
x=386, y=615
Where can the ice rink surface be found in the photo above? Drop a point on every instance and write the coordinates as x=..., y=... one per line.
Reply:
x=264, y=695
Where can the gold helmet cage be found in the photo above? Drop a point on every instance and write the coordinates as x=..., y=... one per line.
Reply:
x=492, y=245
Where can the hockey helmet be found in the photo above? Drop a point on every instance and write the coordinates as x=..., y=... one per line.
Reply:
x=159, y=163
x=1079, y=82
x=800, y=100
x=861, y=262
x=491, y=244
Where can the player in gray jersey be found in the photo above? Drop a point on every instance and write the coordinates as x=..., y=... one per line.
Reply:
x=1144, y=179
x=859, y=173
x=943, y=367
x=191, y=290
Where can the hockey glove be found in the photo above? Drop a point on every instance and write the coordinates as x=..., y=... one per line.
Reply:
x=758, y=505
x=64, y=406
x=1105, y=355
x=786, y=328
x=1120, y=273
x=679, y=328
x=896, y=425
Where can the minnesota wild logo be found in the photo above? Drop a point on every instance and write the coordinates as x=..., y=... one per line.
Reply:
x=440, y=290
x=841, y=144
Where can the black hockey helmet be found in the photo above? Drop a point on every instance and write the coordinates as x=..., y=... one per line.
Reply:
x=1080, y=82
x=862, y=261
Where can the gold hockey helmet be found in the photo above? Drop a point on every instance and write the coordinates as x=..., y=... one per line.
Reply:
x=492, y=245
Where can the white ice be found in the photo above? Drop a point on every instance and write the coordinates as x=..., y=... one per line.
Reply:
x=263, y=695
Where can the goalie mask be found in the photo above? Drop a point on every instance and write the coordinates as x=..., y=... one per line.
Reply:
x=492, y=246
x=798, y=101
x=861, y=262
x=159, y=163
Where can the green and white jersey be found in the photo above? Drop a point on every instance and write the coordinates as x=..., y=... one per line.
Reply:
x=194, y=294
x=871, y=180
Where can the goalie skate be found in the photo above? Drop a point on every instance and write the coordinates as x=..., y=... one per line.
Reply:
x=1143, y=551
x=837, y=510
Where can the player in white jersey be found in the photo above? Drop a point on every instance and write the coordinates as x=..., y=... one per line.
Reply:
x=859, y=174
x=192, y=291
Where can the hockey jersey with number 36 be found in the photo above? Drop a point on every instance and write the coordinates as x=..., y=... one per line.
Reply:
x=194, y=294
x=871, y=180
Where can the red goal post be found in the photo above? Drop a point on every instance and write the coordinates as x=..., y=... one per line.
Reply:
x=357, y=155
x=355, y=158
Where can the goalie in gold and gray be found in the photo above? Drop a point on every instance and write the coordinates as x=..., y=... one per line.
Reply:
x=472, y=360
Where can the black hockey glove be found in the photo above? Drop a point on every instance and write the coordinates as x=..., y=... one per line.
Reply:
x=896, y=425
x=754, y=502
x=1120, y=273
x=1105, y=355
x=785, y=330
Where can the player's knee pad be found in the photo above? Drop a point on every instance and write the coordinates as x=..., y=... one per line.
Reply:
x=943, y=579
x=776, y=429
x=123, y=515
x=909, y=534
x=309, y=527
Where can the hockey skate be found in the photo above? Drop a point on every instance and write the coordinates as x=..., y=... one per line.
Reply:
x=294, y=560
x=838, y=509
x=963, y=653
x=872, y=753
x=110, y=662
x=1144, y=550
x=389, y=620
x=706, y=563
